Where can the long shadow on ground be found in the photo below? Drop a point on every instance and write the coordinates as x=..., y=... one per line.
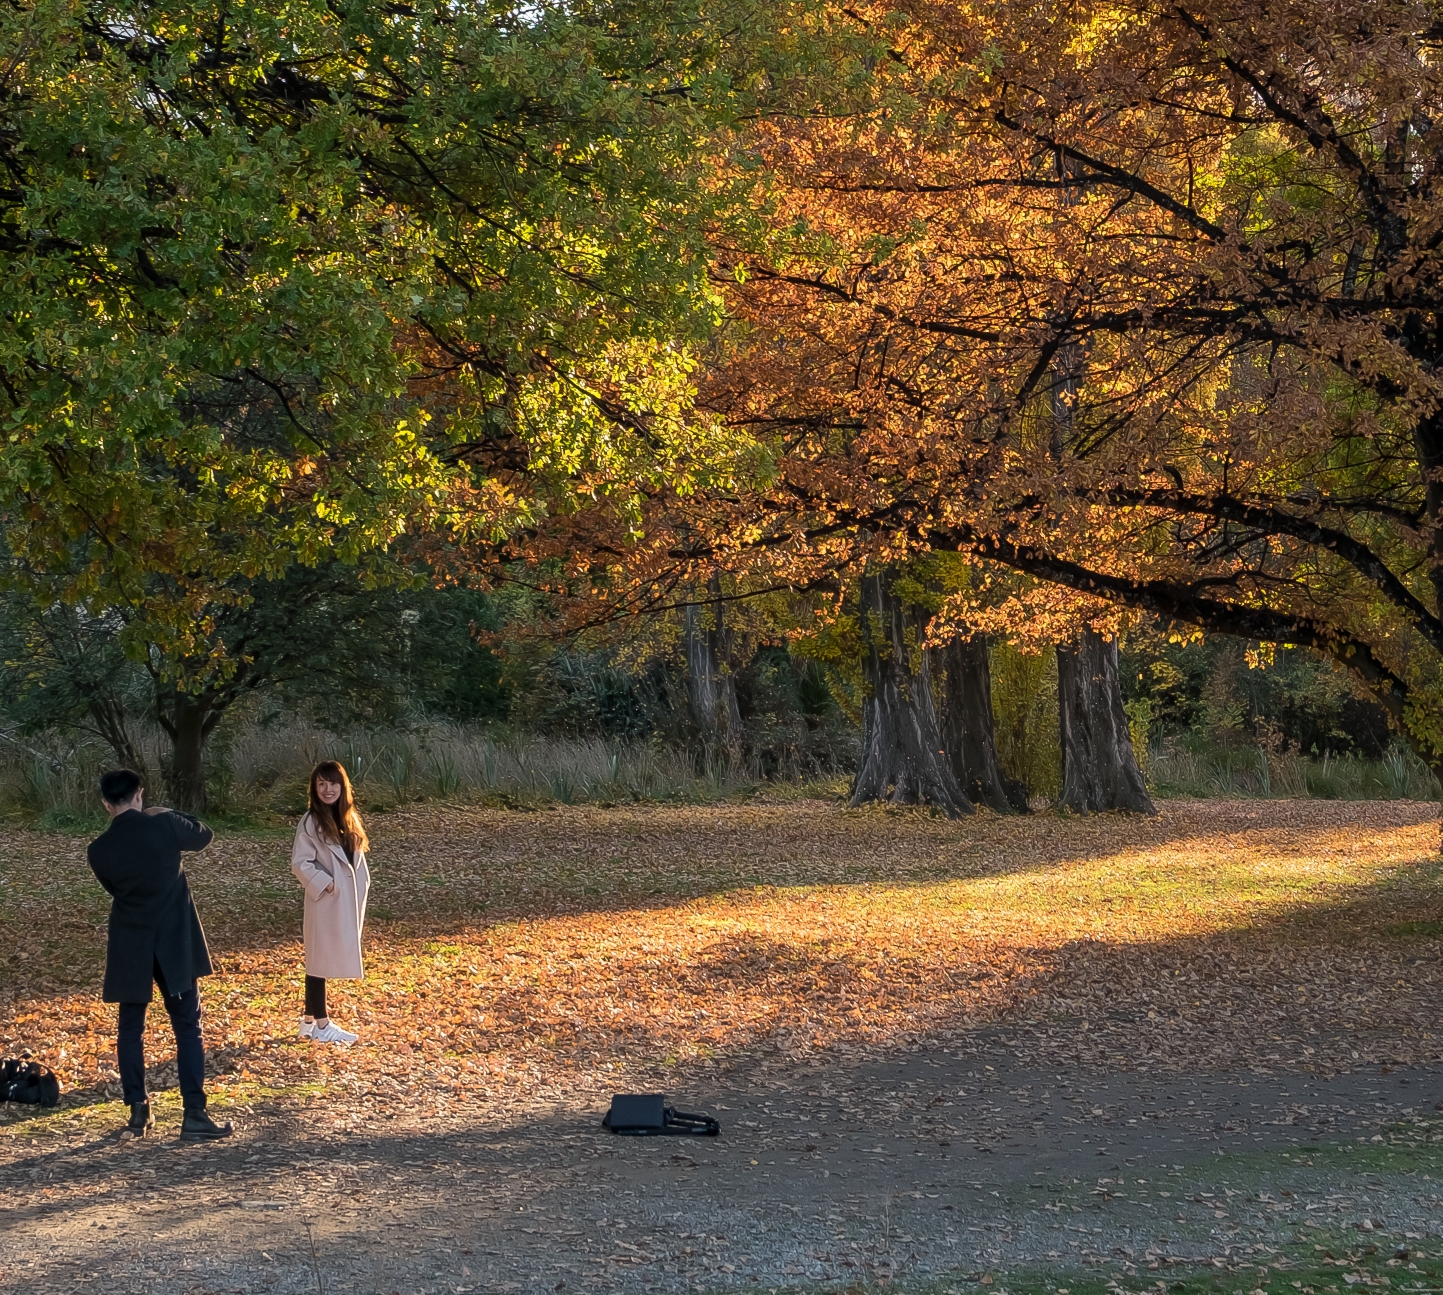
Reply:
x=934, y=1161
x=1329, y=986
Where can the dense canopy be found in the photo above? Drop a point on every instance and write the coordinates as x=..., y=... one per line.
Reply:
x=1142, y=300
x=1130, y=305
x=285, y=281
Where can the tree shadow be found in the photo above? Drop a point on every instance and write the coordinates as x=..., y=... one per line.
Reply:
x=1347, y=982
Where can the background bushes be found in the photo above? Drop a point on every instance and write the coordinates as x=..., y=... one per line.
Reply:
x=445, y=693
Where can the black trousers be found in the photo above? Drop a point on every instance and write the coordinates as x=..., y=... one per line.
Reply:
x=184, y=1011
x=315, y=996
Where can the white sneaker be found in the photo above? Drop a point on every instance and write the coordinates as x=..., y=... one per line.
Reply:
x=308, y=1028
x=330, y=1032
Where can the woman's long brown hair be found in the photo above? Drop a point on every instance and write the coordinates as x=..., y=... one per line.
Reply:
x=339, y=822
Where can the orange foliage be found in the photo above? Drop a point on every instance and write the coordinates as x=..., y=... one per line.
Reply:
x=1141, y=300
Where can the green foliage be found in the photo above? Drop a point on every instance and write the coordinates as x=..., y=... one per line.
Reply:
x=585, y=694
x=1209, y=691
x=318, y=641
x=71, y=822
x=792, y=728
x=282, y=282
x=837, y=648
x=60, y=666
x=1024, y=706
x=449, y=671
x=1139, y=727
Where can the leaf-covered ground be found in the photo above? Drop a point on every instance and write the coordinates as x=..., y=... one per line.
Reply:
x=521, y=966
x=564, y=946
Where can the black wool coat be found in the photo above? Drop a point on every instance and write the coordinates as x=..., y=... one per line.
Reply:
x=152, y=916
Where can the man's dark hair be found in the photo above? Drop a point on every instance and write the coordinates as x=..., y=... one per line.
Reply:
x=120, y=785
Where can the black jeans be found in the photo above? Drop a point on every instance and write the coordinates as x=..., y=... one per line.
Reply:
x=315, y=996
x=184, y=1011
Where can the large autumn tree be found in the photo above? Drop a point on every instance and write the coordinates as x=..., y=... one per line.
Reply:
x=288, y=281
x=1143, y=300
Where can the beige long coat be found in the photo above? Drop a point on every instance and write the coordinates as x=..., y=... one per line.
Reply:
x=335, y=910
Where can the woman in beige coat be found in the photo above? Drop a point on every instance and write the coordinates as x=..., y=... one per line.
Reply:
x=329, y=860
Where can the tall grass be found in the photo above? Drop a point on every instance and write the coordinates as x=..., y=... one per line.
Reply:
x=53, y=776
x=1179, y=768
x=269, y=765
x=262, y=769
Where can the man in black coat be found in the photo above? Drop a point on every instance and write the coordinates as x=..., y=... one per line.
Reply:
x=155, y=936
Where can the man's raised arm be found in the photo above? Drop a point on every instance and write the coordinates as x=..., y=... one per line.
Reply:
x=190, y=833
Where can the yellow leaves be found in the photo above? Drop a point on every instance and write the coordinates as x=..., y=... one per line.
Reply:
x=1102, y=23
x=1260, y=656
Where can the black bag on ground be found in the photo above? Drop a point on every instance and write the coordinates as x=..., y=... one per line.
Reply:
x=640, y=1115
x=28, y=1082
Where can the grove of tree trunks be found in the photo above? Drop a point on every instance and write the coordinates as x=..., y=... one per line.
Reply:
x=1229, y=212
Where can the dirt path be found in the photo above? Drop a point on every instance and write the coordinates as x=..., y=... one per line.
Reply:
x=933, y=1164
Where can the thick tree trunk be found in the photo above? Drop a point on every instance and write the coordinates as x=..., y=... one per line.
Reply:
x=1428, y=439
x=1099, y=767
x=188, y=722
x=902, y=760
x=967, y=728
x=711, y=685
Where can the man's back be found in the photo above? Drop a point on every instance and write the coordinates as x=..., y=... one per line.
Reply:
x=152, y=919
x=137, y=860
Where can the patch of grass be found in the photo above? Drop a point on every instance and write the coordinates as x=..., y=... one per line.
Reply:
x=1188, y=767
x=1415, y=930
x=263, y=824
x=260, y=774
x=1409, y=1149
x=1291, y=1270
x=1296, y=1270
x=1327, y=1262
x=61, y=818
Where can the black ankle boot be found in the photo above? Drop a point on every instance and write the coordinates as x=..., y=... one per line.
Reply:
x=141, y=1120
x=197, y=1126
